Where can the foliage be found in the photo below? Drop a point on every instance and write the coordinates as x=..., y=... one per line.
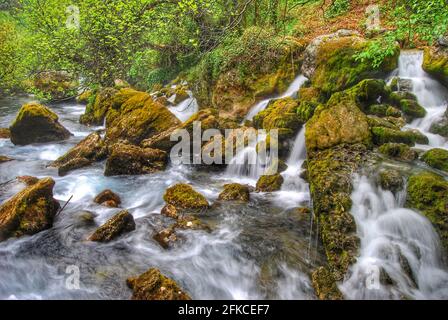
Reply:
x=337, y=8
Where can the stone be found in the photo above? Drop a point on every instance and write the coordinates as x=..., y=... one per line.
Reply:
x=121, y=223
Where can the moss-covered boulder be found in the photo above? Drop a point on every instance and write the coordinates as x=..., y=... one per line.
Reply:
x=270, y=183
x=108, y=198
x=166, y=238
x=391, y=180
x=441, y=127
x=428, y=193
x=54, y=85
x=127, y=159
x=383, y=135
x=89, y=150
x=85, y=96
x=235, y=192
x=99, y=104
x=436, y=158
x=184, y=197
x=435, y=62
x=383, y=110
x=30, y=211
x=121, y=223
x=325, y=285
x=412, y=109
x=339, y=122
x=181, y=95
x=399, y=151
x=153, y=285
x=5, y=133
x=375, y=121
x=36, y=123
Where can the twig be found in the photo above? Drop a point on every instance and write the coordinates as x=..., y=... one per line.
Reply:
x=65, y=205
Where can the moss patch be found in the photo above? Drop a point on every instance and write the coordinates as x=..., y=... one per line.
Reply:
x=184, y=197
x=437, y=158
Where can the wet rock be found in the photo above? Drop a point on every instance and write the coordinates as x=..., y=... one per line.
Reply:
x=270, y=183
x=120, y=224
x=190, y=222
x=85, y=218
x=375, y=121
x=85, y=97
x=89, y=150
x=399, y=151
x=384, y=110
x=412, y=109
x=235, y=192
x=409, y=137
x=36, y=123
x=166, y=238
x=184, y=197
x=391, y=180
x=125, y=159
x=5, y=159
x=170, y=211
x=152, y=285
x=440, y=127
x=108, y=198
x=181, y=95
x=5, y=133
x=30, y=211
x=100, y=103
x=436, y=158
x=28, y=180
x=399, y=84
x=325, y=285
x=435, y=62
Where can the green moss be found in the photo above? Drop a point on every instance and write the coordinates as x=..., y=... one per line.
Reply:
x=375, y=121
x=234, y=192
x=428, y=193
x=436, y=158
x=383, y=135
x=183, y=196
x=325, y=285
x=280, y=114
x=99, y=105
x=436, y=63
x=391, y=180
x=383, y=110
x=398, y=151
x=35, y=111
x=412, y=109
x=270, y=183
x=119, y=224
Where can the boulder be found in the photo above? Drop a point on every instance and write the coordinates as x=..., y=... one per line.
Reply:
x=399, y=151
x=28, y=180
x=99, y=104
x=118, y=225
x=184, y=197
x=235, y=192
x=166, y=237
x=383, y=135
x=270, y=183
x=436, y=158
x=412, y=109
x=89, y=150
x=126, y=159
x=36, y=123
x=435, y=62
x=108, y=198
x=441, y=127
x=153, y=285
x=55, y=85
x=5, y=133
x=30, y=211
x=325, y=285
x=170, y=211
x=85, y=96
x=383, y=110
x=391, y=180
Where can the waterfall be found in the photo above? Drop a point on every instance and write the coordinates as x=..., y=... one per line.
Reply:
x=186, y=109
x=430, y=94
x=400, y=254
x=290, y=92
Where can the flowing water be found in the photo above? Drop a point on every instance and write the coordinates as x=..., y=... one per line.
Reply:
x=430, y=93
x=255, y=251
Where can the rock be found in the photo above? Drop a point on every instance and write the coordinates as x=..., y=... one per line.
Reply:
x=399, y=151
x=428, y=193
x=235, y=192
x=443, y=41
x=436, y=158
x=152, y=285
x=391, y=180
x=89, y=150
x=409, y=137
x=270, y=183
x=137, y=117
x=403, y=85
x=108, y=198
x=120, y=224
x=166, y=238
x=184, y=197
x=181, y=95
x=28, y=180
x=100, y=103
x=125, y=159
x=170, y=211
x=188, y=222
x=412, y=109
x=85, y=96
x=441, y=127
x=384, y=110
x=30, y=211
x=5, y=159
x=375, y=121
x=36, y=123
x=325, y=285
x=435, y=62
x=85, y=218
x=5, y=133
x=55, y=85
x=339, y=122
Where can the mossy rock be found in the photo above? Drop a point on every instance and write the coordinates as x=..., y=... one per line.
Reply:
x=99, y=104
x=30, y=211
x=85, y=96
x=391, y=180
x=399, y=151
x=235, y=192
x=412, y=109
x=325, y=285
x=428, y=193
x=306, y=110
x=36, y=123
x=384, y=110
x=5, y=133
x=441, y=127
x=436, y=158
x=54, y=85
x=375, y=121
x=121, y=223
x=181, y=95
x=108, y=198
x=270, y=183
x=383, y=135
x=126, y=159
x=153, y=285
x=184, y=197
x=435, y=62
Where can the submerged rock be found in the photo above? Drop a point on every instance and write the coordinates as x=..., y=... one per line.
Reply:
x=235, y=192
x=5, y=133
x=30, y=211
x=170, y=211
x=391, y=180
x=36, y=123
x=436, y=158
x=5, y=159
x=89, y=150
x=166, y=238
x=152, y=285
x=108, y=198
x=270, y=183
x=399, y=151
x=184, y=197
x=125, y=159
x=118, y=225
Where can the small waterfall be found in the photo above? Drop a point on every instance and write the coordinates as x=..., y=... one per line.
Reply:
x=400, y=253
x=293, y=182
x=290, y=92
x=186, y=109
x=430, y=93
